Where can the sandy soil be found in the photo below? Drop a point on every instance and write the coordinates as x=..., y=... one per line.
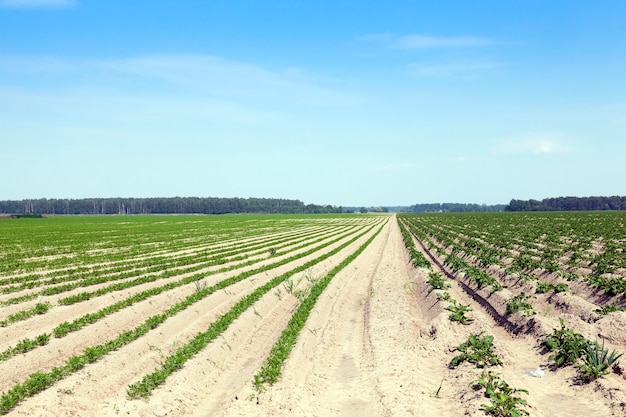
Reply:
x=378, y=343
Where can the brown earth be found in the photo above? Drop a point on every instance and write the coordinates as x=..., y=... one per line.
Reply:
x=378, y=343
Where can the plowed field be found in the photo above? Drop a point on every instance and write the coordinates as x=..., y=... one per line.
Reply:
x=377, y=341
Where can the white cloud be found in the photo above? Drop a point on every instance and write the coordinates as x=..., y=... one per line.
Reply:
x=36, y=4
x=445, y=65
x=540, y=143
x=419, y=41
x=194, y=75
x=429, y=42
x=222, y=77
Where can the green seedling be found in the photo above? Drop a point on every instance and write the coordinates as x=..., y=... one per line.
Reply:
x=437, y=282
x=520, y=303
x=504, y=401
x=458, y=312
x=478, y=349
x=567, y=345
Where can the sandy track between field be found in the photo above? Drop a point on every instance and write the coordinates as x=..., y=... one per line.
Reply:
x=361, y=355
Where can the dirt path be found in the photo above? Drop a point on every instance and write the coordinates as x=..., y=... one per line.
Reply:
x=361, y=355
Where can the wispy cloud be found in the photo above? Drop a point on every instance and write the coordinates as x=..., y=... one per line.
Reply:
x=194, y=95
x=430, y=42
x=36, y=4
x=420, y=41
x=218, y=76
x=447, y=55
x=539, y=143
x=190, y=74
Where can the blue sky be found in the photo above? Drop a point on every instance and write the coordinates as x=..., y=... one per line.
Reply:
x=331, y=102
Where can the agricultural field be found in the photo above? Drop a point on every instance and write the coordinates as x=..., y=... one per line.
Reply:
x=320, y=315
x=548, y=291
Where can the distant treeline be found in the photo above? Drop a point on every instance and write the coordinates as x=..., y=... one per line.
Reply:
x=453, y=207
x=569, y=204
x=166, y=205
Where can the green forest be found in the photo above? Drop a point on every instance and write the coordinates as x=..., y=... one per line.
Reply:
x=166, y=205
x=569, y=204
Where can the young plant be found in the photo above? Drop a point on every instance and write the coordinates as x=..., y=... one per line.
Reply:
x=437, y=282
x=39, y=308
x=497, y=286
x=597, y=361
x=609, y=308
x=504, y=401
x=457, y=312
x=519, y=303
x=444, y=296
x=567, y=345
x=25, y=345
x=545, y=287
x=478, y=349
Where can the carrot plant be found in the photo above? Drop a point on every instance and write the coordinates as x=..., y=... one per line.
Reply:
x=66, y=327
x=40, y=381
x=24, y=346
x=39, y=308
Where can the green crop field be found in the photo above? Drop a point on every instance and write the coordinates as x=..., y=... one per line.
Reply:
x=269, y=314
x=59, y=276
x=583, y=249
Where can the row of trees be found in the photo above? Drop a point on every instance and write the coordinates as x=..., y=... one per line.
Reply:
x=547, y=204
x=569, y=204
x=453, y=207
x=166, y=205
